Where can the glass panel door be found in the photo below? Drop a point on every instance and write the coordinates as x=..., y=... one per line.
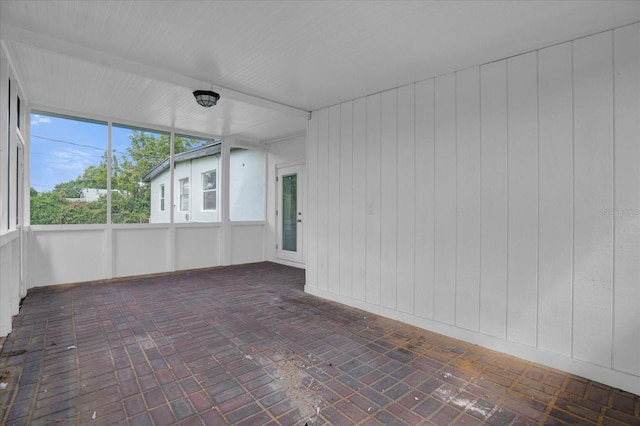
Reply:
x=289, y=214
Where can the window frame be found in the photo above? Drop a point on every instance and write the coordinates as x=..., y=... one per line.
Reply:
x=213, y=190
x=162, y=197
x=184, y=196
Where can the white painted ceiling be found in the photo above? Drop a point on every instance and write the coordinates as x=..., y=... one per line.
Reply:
x=272, y=61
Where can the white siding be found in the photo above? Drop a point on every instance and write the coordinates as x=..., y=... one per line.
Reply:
x=425, y=197
x=626, y=319
x=445, y=199
x=501, y=205
x=593, y=192
x=522, y=164
x=494, y=187
x=555, y=173
x=468, y=199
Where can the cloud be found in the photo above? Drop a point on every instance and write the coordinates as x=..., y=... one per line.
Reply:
x=39, y=119
x=72, y=160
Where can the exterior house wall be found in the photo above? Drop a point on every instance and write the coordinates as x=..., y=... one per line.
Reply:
x=247, y=192
x=499, y=204
x=157, y=214
x=192, y=170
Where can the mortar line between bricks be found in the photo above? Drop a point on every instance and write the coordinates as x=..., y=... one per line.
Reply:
x=554, y=399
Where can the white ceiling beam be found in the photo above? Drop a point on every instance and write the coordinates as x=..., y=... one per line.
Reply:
x=48, y=43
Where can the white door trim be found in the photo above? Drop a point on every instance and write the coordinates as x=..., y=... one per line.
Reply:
x=296, y=256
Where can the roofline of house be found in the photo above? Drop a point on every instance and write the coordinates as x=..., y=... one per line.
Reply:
x=192, y=154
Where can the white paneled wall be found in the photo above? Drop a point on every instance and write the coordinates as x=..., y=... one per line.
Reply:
x=499, y=204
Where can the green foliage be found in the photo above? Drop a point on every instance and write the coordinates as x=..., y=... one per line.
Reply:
x=53, y=208
x=130, y=199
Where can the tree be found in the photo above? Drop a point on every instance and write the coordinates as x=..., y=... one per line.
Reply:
x=130, y=200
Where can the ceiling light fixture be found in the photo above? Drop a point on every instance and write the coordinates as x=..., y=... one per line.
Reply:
x=206, y=98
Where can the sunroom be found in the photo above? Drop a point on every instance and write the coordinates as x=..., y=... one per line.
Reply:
x=468, y=168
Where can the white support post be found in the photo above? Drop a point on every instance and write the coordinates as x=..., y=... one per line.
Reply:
x=226, y=240
x=4, y=131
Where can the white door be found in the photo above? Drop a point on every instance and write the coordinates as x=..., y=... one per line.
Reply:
x=289, y=213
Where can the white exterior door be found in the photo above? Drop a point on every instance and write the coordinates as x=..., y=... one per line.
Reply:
x=289, y=214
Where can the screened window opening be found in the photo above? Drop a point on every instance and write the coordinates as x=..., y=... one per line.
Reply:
x=197, y=160
x=68, y=170
x=136, y=152
x=209, y=190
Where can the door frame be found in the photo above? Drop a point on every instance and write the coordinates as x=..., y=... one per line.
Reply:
x=297, y=257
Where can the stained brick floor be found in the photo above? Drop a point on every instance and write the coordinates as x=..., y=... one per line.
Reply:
x=245, y=345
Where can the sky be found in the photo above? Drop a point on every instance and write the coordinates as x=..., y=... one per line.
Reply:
x=61, y=148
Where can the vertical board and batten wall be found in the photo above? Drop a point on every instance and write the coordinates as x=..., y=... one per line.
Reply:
x=499, y=204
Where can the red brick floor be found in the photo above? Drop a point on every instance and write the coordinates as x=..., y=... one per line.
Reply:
x=245, y=345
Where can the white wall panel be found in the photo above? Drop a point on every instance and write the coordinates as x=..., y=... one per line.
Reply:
x=310, y=223
x=593, y=173
x=247, y=245
x=389, y=206
x=445, y=199
x=346, y=198
x=406, y=199
x=522, y=277
x=555, y=199
x=468, y=198
x=71, y=255
x=140, y=251
x=198, y=247
x=359, y=197
x=425, y=199
x=15, y=277
x=8, y=263
x=322, y=206
x=333, y=200
x=626, y=332
x=517, y=192
x=372, y=189
x=493, y=229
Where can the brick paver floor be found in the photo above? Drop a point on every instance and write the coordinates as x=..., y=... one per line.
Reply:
x=245, y=345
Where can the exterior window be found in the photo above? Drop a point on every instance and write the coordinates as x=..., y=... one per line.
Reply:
x=209, y=190
x=68, y=170
x=184, y=194
x=161, y=198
